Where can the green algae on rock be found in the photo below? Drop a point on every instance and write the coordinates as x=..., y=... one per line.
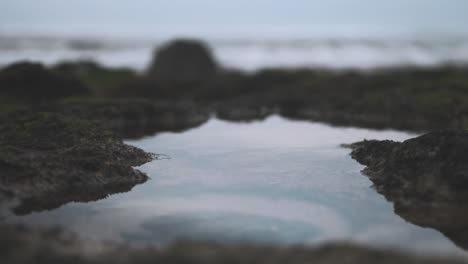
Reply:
x=48, y=159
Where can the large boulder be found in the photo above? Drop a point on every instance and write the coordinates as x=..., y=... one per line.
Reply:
x=34, y=83
x=183, y=60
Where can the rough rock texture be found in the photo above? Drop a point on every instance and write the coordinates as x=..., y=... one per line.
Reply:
x=432, y=167
x=183, y=60
x=19, y=245
x=425, y=177
x=47, y=160
x=34, y=83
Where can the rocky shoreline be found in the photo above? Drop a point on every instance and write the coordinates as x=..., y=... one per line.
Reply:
x=185, y=76
x=432, y=167
x=48, y=159
x=405, y=99
x=426, y=179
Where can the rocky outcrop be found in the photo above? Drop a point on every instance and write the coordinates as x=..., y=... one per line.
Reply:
x=135, y=118
x=33, y=83
x=47, y=160
x=433, y=167
x=183, y=60
x=402, y=98
x=102, y=81
x=426, y=178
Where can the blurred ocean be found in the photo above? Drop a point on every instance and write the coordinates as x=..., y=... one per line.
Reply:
x=244, y=54
x=243, y=34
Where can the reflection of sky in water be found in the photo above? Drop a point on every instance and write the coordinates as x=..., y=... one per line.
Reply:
x=274, y=181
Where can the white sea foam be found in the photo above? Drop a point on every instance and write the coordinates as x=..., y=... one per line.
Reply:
x=246, y=55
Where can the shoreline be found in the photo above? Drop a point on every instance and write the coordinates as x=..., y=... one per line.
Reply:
x=185, y=75
x=75, y=141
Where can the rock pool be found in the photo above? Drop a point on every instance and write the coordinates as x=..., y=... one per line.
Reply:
x=275, y=181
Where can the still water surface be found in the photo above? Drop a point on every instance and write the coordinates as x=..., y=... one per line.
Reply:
x=275, y=181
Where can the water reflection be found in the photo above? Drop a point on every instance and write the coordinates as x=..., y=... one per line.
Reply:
x=451, y=220
x=55, y=200
x=275, y=181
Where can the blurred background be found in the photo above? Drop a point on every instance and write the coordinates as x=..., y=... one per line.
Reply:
x=244, y=34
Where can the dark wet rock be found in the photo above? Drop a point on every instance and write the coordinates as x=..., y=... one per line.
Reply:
x=127, y=118
x=33, y=83
x=21, y=245
x=183, y=60
x=101, y=80
x=426, y=178
x=408, y=98
x=242, y=113
x=433, y=166
x=342, y=118
x=216, y=88
x=47, y=160
x=138, y=117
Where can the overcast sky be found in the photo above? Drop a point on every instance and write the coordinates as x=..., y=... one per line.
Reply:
x=409, y=16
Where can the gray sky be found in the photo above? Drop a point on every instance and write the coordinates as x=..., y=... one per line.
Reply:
x=408, y=16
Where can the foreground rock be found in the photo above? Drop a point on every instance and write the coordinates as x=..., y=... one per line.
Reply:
x=425, y=177
x=47, y=160
x=433, y=167
x=19, y=245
